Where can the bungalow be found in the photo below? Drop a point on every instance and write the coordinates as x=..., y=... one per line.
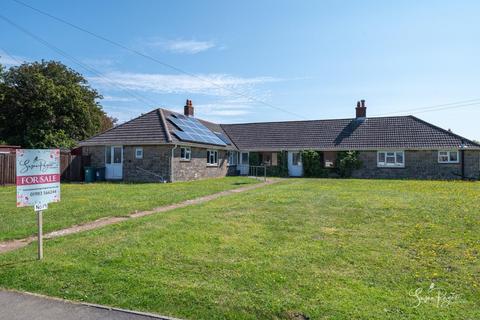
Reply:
x=163, y=145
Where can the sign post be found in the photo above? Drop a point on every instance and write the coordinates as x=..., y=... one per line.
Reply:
x=38, y=183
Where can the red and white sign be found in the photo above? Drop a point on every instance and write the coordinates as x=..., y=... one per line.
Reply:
x=38, y=177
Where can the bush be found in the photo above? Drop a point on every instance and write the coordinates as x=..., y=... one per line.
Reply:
x=347, y=161
x=313, y=164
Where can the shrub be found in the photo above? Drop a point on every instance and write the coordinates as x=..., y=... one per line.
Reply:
x=347, y=161
x=313, y=164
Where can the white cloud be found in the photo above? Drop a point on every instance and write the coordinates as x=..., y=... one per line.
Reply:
x=117, y=99
x=226, y=107
x=207, y=84
x=181, y=45
x=9, y=60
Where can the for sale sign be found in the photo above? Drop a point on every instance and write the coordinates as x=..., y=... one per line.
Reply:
x=38, y=177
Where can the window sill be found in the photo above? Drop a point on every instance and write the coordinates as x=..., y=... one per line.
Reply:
x=184, y=160
x=212, y=165
x=390, y=167
x=449, y=162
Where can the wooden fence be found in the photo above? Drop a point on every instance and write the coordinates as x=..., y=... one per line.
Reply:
x=71, y=167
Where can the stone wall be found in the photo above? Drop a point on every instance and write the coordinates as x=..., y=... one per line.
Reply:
x=197, y=167
x=153, y=167
x=419, y=164
x=97, y=155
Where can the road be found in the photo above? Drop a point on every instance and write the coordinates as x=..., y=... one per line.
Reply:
x=23, y=306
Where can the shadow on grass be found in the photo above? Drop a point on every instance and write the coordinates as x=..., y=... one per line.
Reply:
x=19, y=262
x=240, y=183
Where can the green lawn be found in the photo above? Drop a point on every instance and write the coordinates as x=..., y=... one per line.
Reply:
x=327, y=249
x=87, y=202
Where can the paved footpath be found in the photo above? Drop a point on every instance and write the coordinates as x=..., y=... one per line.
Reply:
x=17, y=244
x=25, y=306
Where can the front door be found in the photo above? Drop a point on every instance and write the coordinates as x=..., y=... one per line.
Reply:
x=114, y=162
x=244, y=163
x=295, y=167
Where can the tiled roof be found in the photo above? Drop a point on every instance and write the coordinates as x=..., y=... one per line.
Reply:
x=146, y=129
x=404, y=132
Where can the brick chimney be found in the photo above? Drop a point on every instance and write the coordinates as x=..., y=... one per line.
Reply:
x=188, y=109
x=361, y=110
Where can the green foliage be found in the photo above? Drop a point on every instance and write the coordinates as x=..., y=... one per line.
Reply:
x=254, y=159
x=347, y=162
x=281, y=169
x=313, y=164
x=46, y=104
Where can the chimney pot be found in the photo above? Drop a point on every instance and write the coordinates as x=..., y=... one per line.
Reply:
x=188, y=108
x=361, y=110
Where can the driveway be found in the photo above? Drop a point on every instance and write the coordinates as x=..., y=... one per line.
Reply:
x=23, y=306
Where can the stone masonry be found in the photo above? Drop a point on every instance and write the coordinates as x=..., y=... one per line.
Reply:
x=197, y=167
x=156, y=163
x=419, y=164
x=153, y=167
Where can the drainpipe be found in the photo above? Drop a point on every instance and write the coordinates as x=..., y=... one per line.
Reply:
x=462, y=159
x=171, y=163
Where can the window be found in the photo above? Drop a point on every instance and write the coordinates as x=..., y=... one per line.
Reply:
x=138, y=153
x=108, y=155
x=448, y=157
x=391, y=159
x=232, y=158
x=245, y=158
x=296, y=158
x=185, y=154
x=212, y=157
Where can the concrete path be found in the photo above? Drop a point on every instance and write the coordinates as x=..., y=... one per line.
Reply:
x=27, y=306
x=16, y=244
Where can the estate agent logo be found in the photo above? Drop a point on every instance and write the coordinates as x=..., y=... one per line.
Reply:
x=434, y=296
x=38, y=177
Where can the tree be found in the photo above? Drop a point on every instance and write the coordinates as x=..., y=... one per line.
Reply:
x=46, y=104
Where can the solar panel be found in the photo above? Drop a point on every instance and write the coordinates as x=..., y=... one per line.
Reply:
x=193, y=130
x=223, y=137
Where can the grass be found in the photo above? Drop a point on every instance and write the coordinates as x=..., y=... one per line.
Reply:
x=87, y=202
x=326, y=249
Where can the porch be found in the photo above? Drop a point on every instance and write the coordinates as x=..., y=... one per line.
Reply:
x=280, y=163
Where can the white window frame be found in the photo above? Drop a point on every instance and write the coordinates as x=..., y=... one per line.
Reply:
x=388, y=154
x=448, y=153
x=298, y=155
x=187, y=153
x=213, y=153
x=137, y=154
x=232, y=158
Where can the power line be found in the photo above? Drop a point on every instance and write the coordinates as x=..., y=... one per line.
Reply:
x=149, y=57
x=76, y=61
x=438, y=107
x=466, y=102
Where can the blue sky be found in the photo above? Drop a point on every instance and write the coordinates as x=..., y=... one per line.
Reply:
x=311, y=58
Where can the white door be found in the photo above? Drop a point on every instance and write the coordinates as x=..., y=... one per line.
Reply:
x=295, y=167
x=114, y=162
x=244, y=163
